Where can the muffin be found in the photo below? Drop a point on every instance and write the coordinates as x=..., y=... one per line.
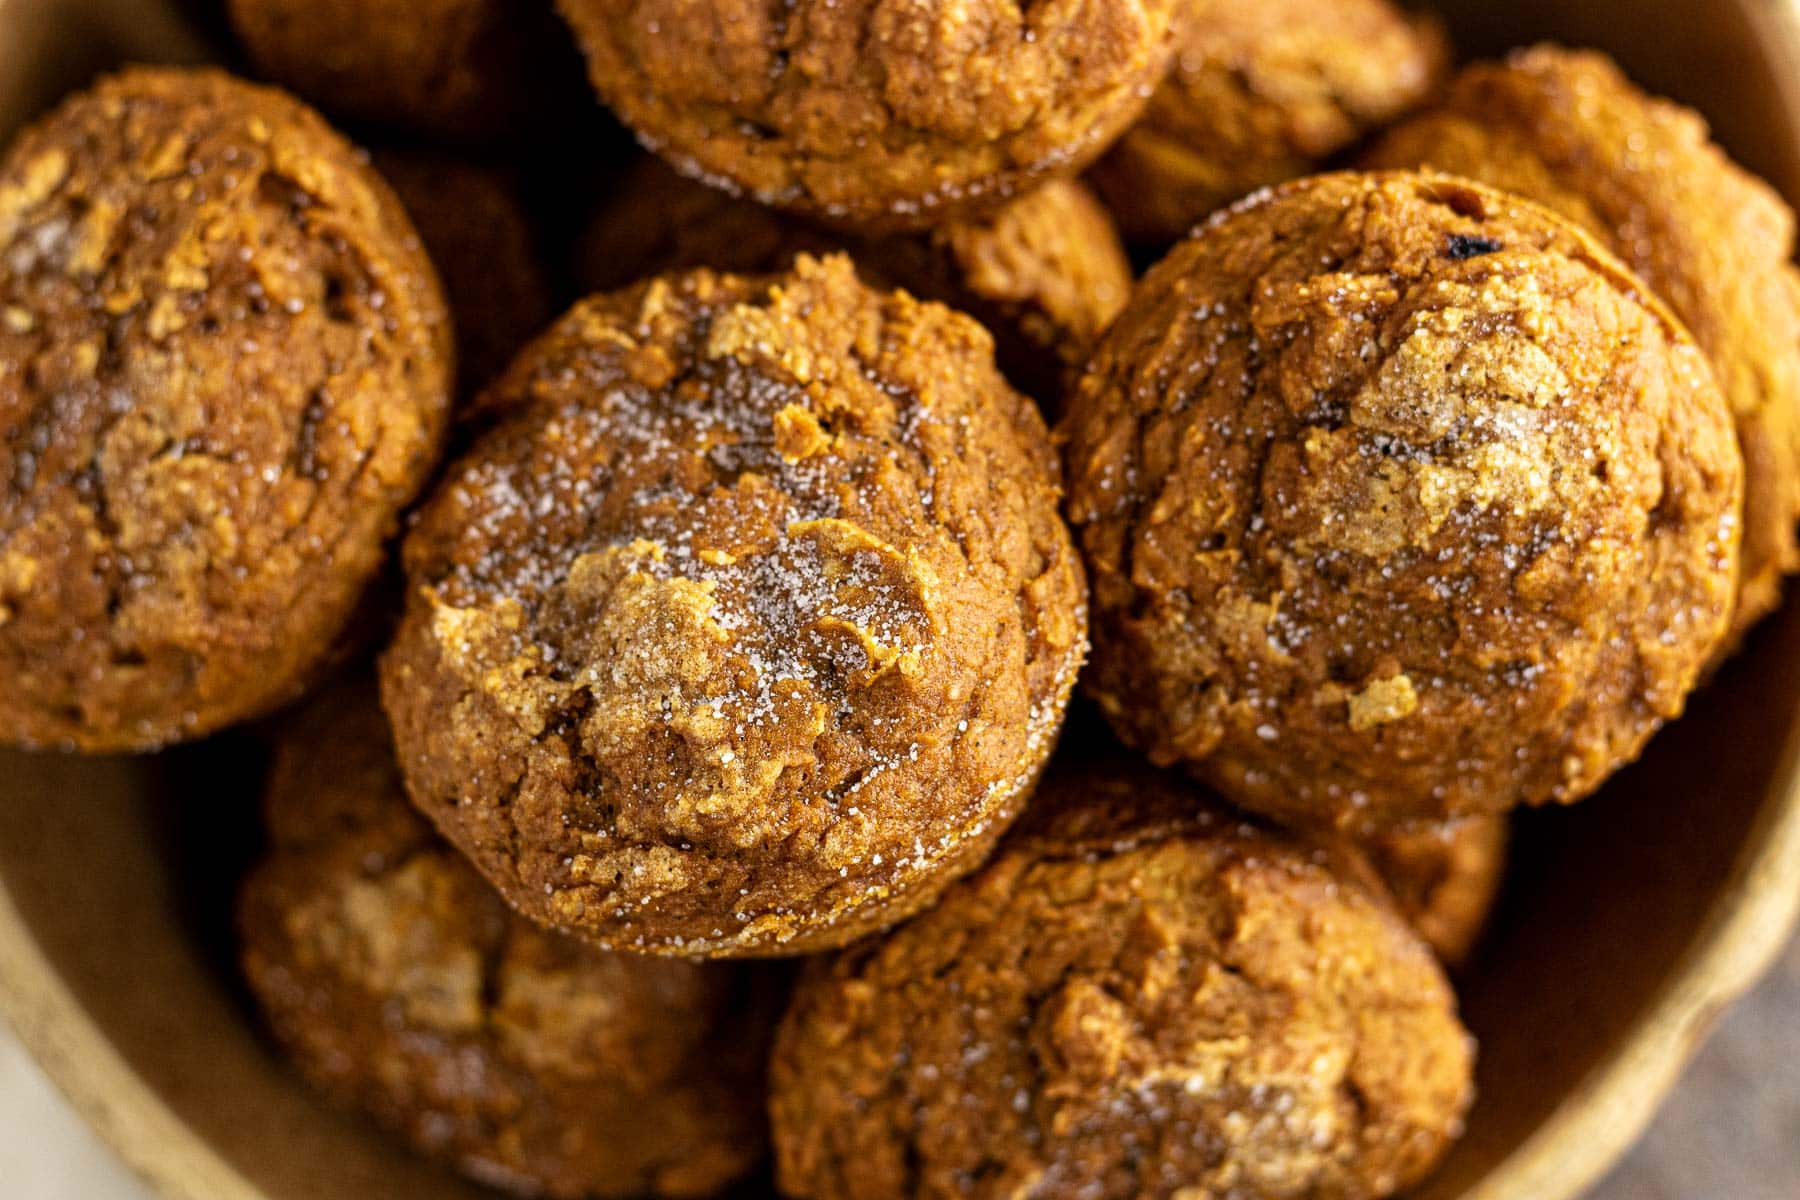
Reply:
x=479, y=235
x=1402, y=500
x=458, y=70
x=402, y=986
x=1444, y=879
x=750, y=622
x=1263, y=91
x=1568, y=130
x=897, y=116
x=1139, y=998
x=1046, y=273
x=224, y=370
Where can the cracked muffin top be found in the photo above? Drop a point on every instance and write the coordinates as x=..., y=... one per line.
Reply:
x=463, y=70
x=400, y=984
x=1139, y=998
x=1568, y=130
x=1263, y=91
x=1401, y=500
x=888, y=113
x=1046, y=272
x=224, y=368
x=748, y=625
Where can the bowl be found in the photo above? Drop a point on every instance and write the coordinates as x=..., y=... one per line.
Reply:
x=1627, y=924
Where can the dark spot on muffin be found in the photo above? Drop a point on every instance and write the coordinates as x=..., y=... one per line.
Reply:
x=1460, y=246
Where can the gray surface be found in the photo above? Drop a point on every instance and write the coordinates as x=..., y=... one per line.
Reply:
x=1732, y=1131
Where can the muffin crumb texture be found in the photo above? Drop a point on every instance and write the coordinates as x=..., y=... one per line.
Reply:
x=1261, y=92
x=872, y=112
x=1568, y=130
x=1140, y=997
x=224, y=369
x=1402, y=500
x=751, y=622
x=401, y=985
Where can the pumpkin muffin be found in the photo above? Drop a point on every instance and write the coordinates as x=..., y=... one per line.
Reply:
x=870, y=113
x=401, y=985
x=1140, y=998
x=1567, y=129
x=1402, y=500
x=1046, y=273
x=458, y=70
x=748, y=625
x=1444, y=879
x=479, y=235
x=224, y=370
x=1263, y=91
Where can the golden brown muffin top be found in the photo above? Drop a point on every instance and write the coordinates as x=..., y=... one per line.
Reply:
x=750, y=623
x=1401, y=500
x=1138, y=997
x=1046, y=272
x=1048, y=264
x=401, y=984
x=1263, y=91
x=1568, y=130
x=224, y=367
x=876, y=112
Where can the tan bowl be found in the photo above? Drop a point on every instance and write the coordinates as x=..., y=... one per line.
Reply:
x=1628, y=924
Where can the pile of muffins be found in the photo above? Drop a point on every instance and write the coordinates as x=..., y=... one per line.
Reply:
x=684, y=783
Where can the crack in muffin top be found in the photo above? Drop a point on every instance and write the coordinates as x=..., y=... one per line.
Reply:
x=1568, y=130
x=1402, y=499
x=402, y=985
x=750, y=622
x=225, y=366
x=1140, y=996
